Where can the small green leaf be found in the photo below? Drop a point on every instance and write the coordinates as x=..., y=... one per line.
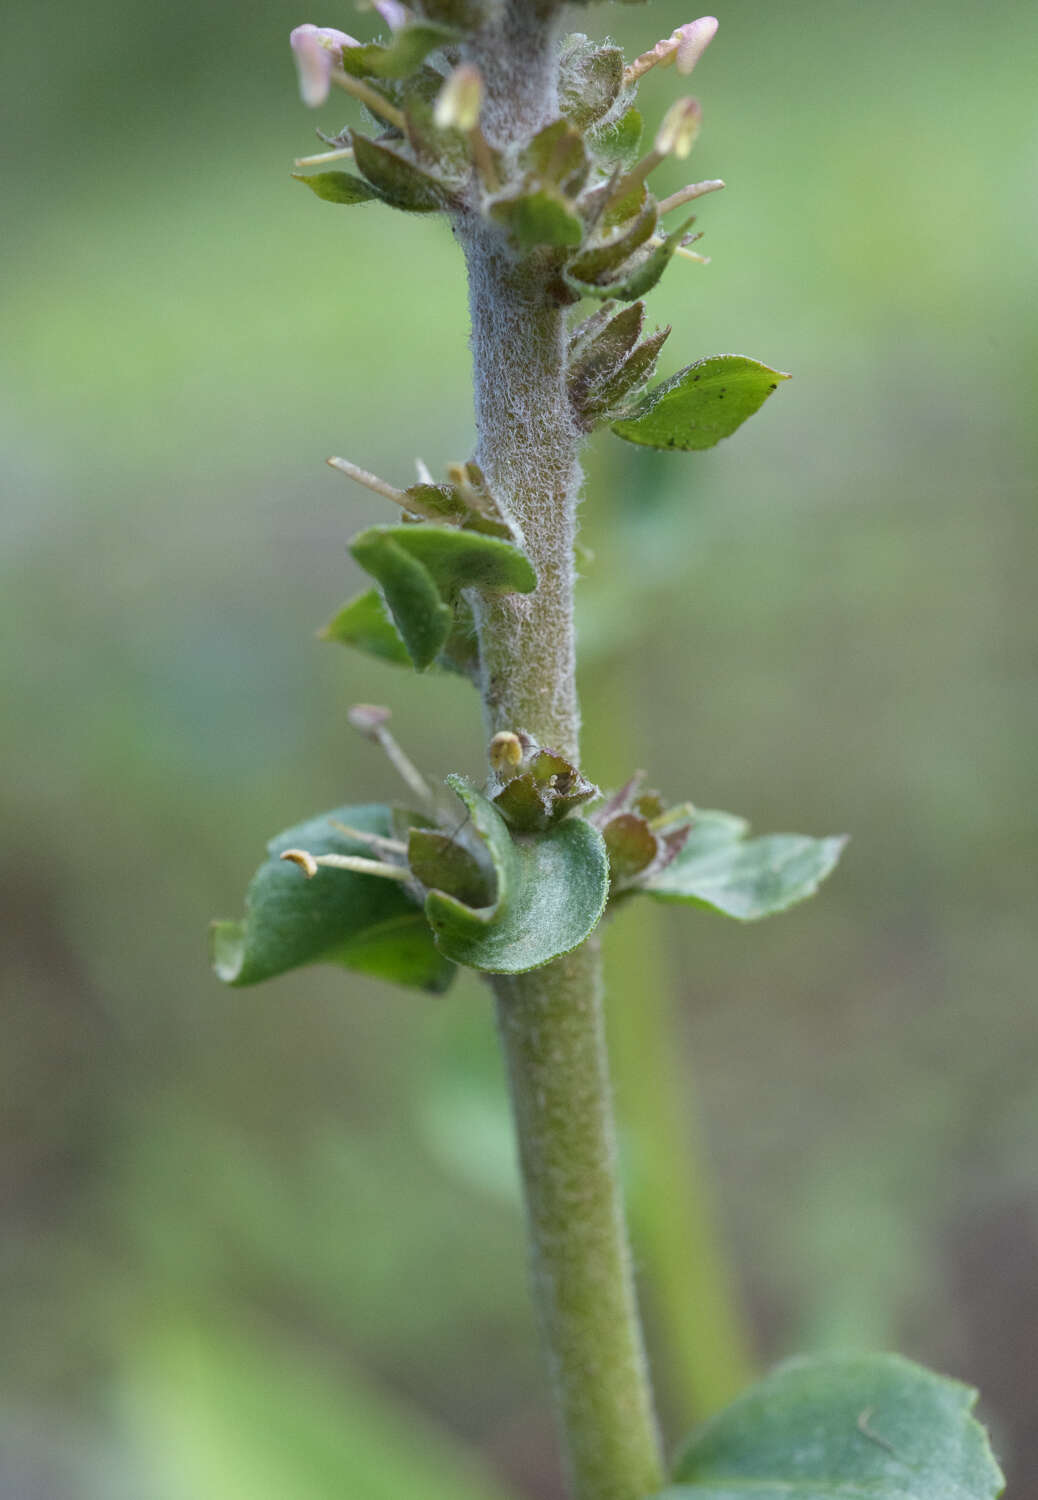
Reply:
x=441, y=862
x=542, y=792
x=702, y=404
x=540, y=217
x=601, y=354
x=744, y=878
x=590, y=79
x=631, y=845
x=362, y=922
x=551, y=889
x=556, y=155
x=842, y=1427
x=366, y=625
x=632, y=374
x=339, y=187
x=617, y=144
x=635, y=283
x=459, y=560
x=401, y=56
x=398, y=181
x=593, y=264
x=446, y=502
x=421, y=615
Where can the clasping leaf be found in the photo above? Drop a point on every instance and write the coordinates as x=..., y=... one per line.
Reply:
x=550, y=890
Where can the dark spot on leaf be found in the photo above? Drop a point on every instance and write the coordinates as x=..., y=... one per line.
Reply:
x=773, y=386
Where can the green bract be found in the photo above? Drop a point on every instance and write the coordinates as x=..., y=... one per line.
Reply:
x=422, y=570
x=340, y=187
x=362, y=922
x=851, y=1427
x=702, y=404
x=745, y=878
x=365, y=624
x=541, y=216
x=402, y=55
x=551, y=889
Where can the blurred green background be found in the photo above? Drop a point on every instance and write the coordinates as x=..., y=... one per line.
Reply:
x=266, y=1244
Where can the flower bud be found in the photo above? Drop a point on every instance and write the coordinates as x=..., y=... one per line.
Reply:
x=458, y=102
x=318, y=49
x=693, y=41
x=677, y=134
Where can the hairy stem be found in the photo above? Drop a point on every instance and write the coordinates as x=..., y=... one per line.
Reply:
x=551, y=1028
x=550, y=1019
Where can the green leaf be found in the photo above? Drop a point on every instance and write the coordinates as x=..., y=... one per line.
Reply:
x=339, y=187
x=398, y=181
x=744, y=878
x=540, y=217
x=402, y=55
x=421, y=615
x=463, y=559
x=422, y=570
x=632, y=374
x=551, y=889
x=842, y=1427
x=362, y=922
x=365, y=624
x=616, y=144
x=591, y=265
x=701, y=404
x=641, y=279
x=556, y=155
x=590, y=79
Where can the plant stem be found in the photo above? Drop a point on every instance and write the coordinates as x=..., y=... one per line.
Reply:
x=550, y=1019
x=551, y=1028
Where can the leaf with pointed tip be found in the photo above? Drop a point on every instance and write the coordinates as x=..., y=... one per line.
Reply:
x=402, y=55
x=617, y=144
x=363, y=922
x=604, y=351
x=399, y=182
x=540, y=217
x=551, y=889
x=590, y=79
x=593, y=264
x=642, y=279
x=421, y=615
x=833, y=1427
x=744, y=878
x=701, y=404
x=606, y=398
x=339, y=187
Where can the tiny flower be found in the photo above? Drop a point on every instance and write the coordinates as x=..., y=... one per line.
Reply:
x=318, y=49
x=393, y=13
x=693, y=41
x=677, y=134
x=458, y=102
